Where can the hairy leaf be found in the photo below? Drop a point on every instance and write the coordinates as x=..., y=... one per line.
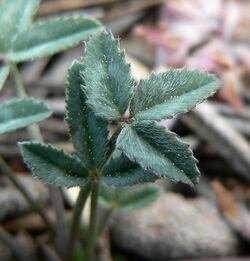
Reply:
x=89, y=134
x=49, y=37
x=4, y=72
x=129, y=199
x=107, y=77
x=120, y=171
x=52, y=165
x=15, y=16
x=158, y=150
x=18, y=113
x=175, y=91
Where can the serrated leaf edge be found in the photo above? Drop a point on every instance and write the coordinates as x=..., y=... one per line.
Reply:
x=28, y=99
x=210, y=94
x=47, y=145
x=186, y=145
x=8, y=56
x=122, y=53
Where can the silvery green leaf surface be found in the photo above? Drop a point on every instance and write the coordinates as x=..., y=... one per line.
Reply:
x=18, y=113
x=127, y=199
x=15, y=16
x=108, y=81
x=4, y=72
x=120, y=171
x=51, y=36
x=169, y=93
x=52, y=165
x=158, y=150
x=89, y=134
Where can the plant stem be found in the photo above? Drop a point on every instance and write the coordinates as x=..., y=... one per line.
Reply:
x=7, y=171
x=18, y=83
x=111, y=149
x=21, y=92
x=104, y=220
x=61, y=238
x=80, y=203
x=92, y=222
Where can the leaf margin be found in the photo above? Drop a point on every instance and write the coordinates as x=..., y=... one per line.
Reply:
x=25, y=152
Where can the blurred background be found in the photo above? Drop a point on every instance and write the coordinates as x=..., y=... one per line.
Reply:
x=208, y=222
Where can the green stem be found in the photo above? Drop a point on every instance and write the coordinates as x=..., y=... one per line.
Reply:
x=111, y=149
x=92, y=222
x=80, y=203
x=7, y=171
x=61, y=238
x=104, y=220
x=18, y=83
x=21, y=93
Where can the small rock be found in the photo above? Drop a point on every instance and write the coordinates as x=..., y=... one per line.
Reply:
x=174, y=227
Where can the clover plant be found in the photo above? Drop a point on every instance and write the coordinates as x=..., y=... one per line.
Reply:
x=22, y=40
x=100, y=90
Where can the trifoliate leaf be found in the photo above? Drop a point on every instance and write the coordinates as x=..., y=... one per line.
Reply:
x=174, y=91
x=15, y=16
x=4, y=72
x=128, y=199
x=18, y=113
x=52, y=165
x=108, y=81
x=158, y=150
x=120, y=171
x=49, y=37
x=89, y=134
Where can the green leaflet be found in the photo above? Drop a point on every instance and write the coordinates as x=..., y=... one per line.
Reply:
x=15, y=16
x=158, y=150
x=128, y=199
x=18, y=113
x=174, y=91
x=120, y=171
x=4, y=72
x=52, y=165
x=48, y=37
x=107, y=77
x=89, y=134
